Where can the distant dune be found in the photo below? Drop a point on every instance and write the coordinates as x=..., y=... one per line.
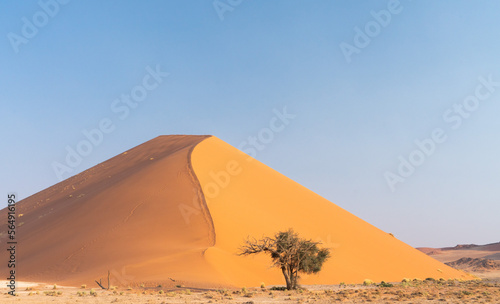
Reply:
x=475, y=265
x=175, y=210
x=480, y=260
x=449, y=254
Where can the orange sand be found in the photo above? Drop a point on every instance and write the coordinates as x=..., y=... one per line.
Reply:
x=255, y=200
x=143, y=216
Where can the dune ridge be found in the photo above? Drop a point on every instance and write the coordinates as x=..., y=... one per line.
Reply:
x=201, y=198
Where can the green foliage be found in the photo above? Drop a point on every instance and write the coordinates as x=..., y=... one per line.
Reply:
x=385, y=284
x=290, y=253
x=53, y=293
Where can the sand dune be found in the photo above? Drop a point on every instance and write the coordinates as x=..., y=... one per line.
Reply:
x=475, y=259
x=174, y=210
x=450, y=254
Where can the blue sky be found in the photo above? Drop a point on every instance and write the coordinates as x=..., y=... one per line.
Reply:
x=231, y=64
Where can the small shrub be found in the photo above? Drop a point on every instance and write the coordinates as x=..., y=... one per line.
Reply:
x=385, y=284
x=187, y=291
x=161, y=292
x=368, y=282
x=282, y=288
x=50, y=293
x=262, y=285
x=55, y=286
x=248, y=295
x=178, y=286
x=142, y=285
x=83, y=286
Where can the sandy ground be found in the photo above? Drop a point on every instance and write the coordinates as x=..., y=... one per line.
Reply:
x=412, y=292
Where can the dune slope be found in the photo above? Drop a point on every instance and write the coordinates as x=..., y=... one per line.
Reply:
x=247, y=198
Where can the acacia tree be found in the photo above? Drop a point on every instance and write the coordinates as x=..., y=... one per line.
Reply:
x=290, y=253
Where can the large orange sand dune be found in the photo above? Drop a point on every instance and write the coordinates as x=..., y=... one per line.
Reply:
x=177, y=208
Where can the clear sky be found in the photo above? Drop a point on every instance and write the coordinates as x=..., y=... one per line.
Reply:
x=395, y=103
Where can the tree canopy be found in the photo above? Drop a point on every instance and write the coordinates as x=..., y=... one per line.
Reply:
x=290, y=253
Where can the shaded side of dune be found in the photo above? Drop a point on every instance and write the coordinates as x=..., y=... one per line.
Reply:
x=131, y=215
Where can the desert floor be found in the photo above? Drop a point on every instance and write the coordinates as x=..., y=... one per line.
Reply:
x=414, y=291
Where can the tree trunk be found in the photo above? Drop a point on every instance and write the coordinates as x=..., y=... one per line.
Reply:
x=287, y=278
x=294, y=278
